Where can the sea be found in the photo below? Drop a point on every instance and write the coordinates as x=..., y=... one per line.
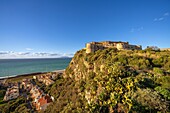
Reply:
x=13, y=67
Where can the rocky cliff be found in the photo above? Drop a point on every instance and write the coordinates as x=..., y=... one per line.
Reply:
x=114, y=81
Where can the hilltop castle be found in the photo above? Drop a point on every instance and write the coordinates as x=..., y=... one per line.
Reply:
x=94, y=46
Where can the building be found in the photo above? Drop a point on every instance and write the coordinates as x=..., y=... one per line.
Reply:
x=94, y=46
x=11, y=93
x=26, y=84
x=43, y=102
x=165, y=49
x=153, y=48
x=2, y=82
x=40, y=99
x=36, y=92
x=46, y=79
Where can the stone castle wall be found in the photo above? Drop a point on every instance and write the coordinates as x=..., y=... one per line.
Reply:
x=94, y=46
x=165, y=49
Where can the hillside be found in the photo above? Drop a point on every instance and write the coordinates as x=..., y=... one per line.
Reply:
x=114, y=81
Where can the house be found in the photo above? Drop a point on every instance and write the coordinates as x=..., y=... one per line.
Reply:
x=36, y=92
x=26, y=84
x=43, y=102
x=34, y=77
x=153, y=48
x=2, y=82
x=46, y=79
x=40, y=99
x=11, y=93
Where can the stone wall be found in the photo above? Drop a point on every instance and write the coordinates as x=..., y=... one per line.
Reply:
x=165, y=49
x=94, y=46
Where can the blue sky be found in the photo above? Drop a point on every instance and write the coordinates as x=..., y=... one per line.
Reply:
x=45, y=28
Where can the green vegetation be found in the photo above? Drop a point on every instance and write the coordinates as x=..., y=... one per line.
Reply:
x=114, y=81
x=18, y=105
x=21, y=77
x=2, y=94
x=18, y=79
x=108, y=81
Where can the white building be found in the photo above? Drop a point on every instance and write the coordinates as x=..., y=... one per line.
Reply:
x=11, y=93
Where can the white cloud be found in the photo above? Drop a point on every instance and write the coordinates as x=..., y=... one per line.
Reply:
x=12, y=54
x=54, y=54
x=3, y=52
x=159, y=19
x=23, y=53
x=155, y=19
x=136, y=29
x=166, y=14
x=162, y=17
x=29, y=49
x=67, y=55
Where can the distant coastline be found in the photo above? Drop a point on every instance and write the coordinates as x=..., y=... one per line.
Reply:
x=34, y=58
x=14, y=67
x=30, y=74
x=14, y=76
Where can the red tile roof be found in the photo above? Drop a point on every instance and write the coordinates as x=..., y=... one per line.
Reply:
x=44, y=100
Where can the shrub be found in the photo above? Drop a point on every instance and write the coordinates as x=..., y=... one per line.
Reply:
x=158, y=71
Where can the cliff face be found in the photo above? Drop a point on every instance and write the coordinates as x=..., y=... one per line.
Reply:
x=117, y=81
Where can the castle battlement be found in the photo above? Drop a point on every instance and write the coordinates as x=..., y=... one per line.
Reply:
x=94, y=46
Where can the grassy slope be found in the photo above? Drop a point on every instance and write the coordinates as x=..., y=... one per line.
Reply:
x=114, y=81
